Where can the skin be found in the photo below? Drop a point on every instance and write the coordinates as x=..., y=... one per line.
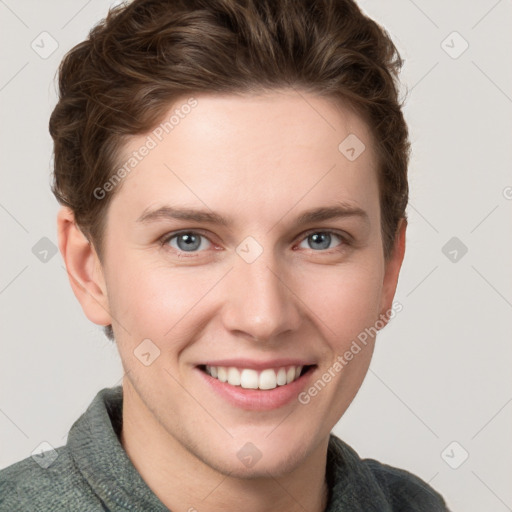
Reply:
x=260, y=160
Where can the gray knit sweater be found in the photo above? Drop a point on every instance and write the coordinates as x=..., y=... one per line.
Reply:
x=92, y=472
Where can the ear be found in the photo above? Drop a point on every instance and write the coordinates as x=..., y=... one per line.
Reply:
x=392, y=270
x=84, y=268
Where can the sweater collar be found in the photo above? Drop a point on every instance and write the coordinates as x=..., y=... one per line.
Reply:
x=94, y=444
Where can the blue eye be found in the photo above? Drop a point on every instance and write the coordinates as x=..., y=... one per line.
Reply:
x=193, y=242
x=321, y=240
x=186, y=241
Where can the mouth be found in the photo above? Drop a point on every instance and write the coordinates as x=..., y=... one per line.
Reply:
x=254, y=384
x=263, y=380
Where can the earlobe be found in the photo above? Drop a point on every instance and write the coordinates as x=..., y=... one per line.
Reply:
x=392, y=270
x=83, y=268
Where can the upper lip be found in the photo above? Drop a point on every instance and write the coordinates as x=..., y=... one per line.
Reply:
x=259, y=365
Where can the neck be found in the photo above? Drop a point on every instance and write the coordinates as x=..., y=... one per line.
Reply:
x=182, y=481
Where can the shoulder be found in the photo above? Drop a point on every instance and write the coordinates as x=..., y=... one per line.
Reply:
x=378, y=486
x=406, y=491
x=49, y=481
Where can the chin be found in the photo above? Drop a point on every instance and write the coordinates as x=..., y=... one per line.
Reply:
x=259, y=456
x=268, y=465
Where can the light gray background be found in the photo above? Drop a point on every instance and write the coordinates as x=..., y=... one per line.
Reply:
x=441, y=370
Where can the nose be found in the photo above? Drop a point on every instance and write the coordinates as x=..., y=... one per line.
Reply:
x=260, y=300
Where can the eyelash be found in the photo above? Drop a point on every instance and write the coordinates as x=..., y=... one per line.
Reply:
x=164, y=241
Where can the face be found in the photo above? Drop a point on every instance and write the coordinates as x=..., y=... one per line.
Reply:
x=271, y=286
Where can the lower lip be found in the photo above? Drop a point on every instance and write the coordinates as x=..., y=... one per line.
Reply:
x=257, y=399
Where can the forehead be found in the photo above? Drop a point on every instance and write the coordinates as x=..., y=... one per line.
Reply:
x=251, y=153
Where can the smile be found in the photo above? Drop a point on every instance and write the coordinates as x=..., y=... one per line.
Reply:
x=249, y=378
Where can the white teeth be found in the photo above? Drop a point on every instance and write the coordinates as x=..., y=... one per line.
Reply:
x=281, y=377
x=268, y=379
x=233, y=376
x=222, y=374
x=250, y=379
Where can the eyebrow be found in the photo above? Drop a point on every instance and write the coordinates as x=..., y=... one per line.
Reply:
x=337, y=211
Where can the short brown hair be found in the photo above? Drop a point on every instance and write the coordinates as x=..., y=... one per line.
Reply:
x=122, y=79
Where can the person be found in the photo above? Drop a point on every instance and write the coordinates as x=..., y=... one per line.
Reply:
x=232, y=177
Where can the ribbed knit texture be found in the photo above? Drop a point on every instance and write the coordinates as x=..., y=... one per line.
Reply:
x=93, y=473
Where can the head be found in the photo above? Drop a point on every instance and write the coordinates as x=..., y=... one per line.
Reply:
x=256, y=113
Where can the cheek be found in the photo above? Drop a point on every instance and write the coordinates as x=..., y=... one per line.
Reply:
x=156, y=301
x=150, y=299
x=345, y=300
